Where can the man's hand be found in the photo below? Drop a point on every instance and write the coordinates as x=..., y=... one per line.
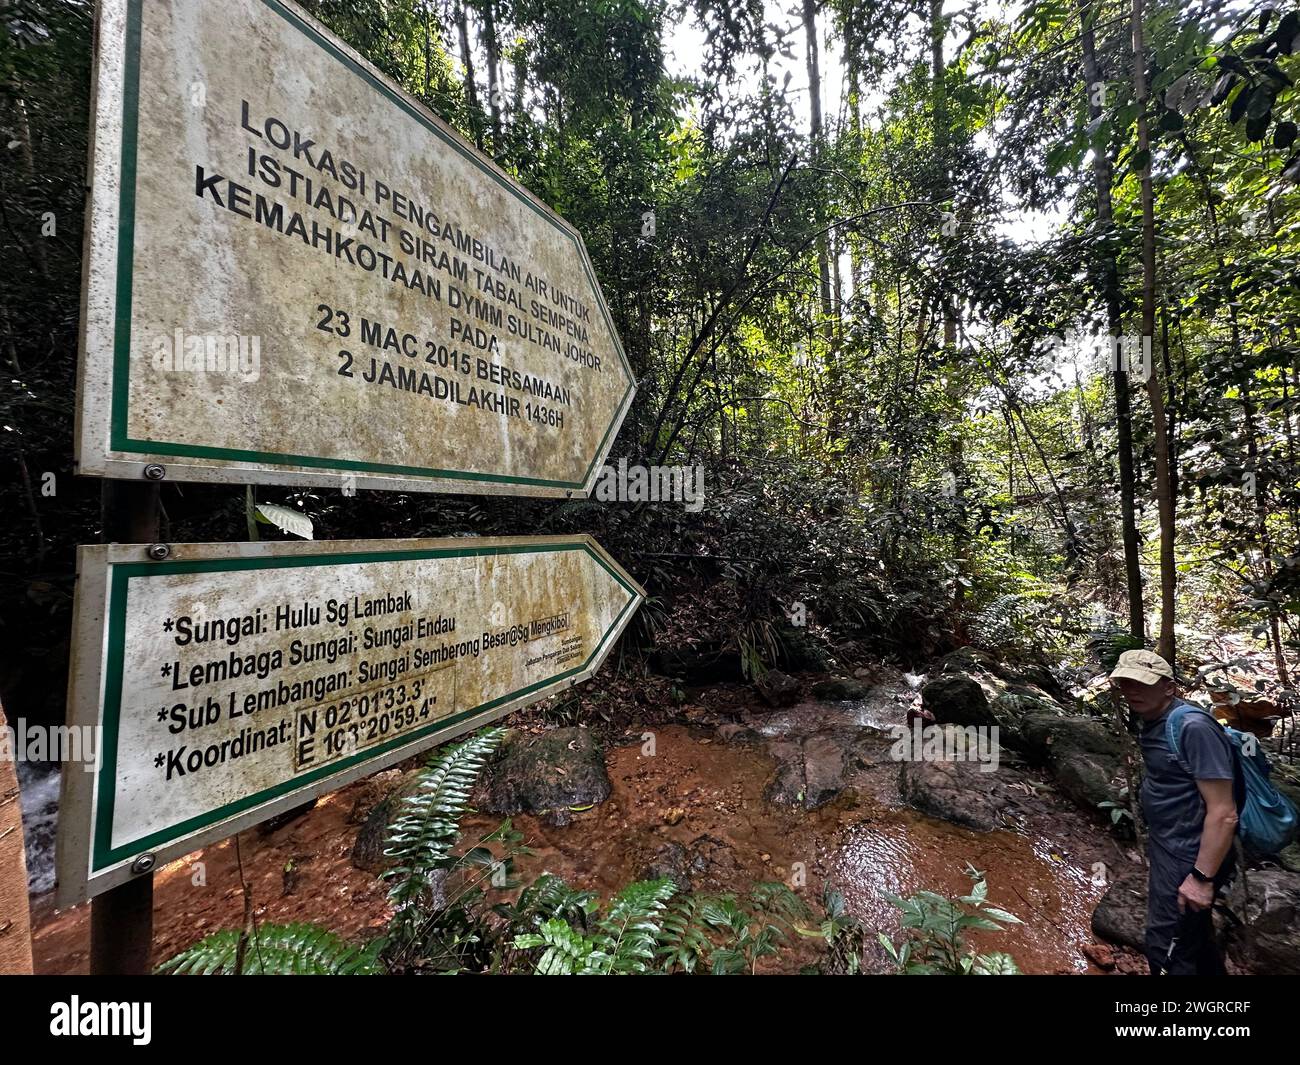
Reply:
x=1192, y=894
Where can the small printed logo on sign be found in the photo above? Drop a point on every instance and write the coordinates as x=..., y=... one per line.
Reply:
x=77, y=1018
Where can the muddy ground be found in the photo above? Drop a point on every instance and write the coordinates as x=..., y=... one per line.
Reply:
x=689, y=796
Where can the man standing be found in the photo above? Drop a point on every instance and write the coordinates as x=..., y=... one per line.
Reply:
x=1189, y=802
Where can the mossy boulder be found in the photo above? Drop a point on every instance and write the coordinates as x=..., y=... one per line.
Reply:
x=957, y=699
x=1085, y=757
x=546, y=775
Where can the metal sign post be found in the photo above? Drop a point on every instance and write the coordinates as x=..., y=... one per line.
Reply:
x=121, y=919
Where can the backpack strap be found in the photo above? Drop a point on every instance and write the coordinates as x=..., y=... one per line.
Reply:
x=1174, y=727
x=1174, y=722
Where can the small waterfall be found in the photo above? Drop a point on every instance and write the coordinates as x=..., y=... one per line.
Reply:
x=38, y=784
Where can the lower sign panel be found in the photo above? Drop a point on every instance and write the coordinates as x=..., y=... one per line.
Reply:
x=228, y=683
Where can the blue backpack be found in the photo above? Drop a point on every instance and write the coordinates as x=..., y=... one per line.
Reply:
x=1267, y=819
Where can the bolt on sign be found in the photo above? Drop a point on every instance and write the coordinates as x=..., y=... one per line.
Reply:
x=298, y=275
x=231, y=682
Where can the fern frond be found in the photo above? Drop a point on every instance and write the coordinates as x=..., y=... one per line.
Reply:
x=546, y=897
x=567, y=952
x=629, y=931
x=420, y=840
x=279, y=950
x=683, y=943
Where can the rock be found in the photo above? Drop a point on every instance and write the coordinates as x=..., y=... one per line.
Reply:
x=1045, y=734
x=777, y=688
x=740, y=735
x=967, y=660
x=545, y=775
x=973, y=660
x=1087, y=780
x=1271, y=944
x=371, y=793
x=823, y=768
x=956, y=791
x=1084, y=755
x=671, y=861
x=787, y=788
x=1121, y=915
x=1289, y=856
x=673, y=815
x=957, y=699
x=1100, y=955
x=1291, y=791
x=811, y=770
x=840, y=689
x=368, y=850
x=1013, y=705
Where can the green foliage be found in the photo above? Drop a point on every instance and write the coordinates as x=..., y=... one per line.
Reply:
x=844, y=934
x=423, y=925
x=420, y=841
x=622, y=940
x=443, y=922
x=645, y=929
x=272, y=949
x=1109, y=642
x=935, y=929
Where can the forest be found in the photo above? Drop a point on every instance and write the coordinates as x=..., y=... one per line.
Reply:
x=970, y=330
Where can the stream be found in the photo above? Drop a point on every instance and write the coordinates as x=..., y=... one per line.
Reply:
x=685, y=802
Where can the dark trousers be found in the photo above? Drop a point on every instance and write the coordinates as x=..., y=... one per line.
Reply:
x=1180, y=942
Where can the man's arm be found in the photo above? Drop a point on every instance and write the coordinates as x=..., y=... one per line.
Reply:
x=1216, y=840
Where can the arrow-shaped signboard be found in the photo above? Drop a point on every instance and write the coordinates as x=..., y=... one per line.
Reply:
x=296, y=274
x=229, y=682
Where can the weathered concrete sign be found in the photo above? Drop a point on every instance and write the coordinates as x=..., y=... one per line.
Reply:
x=296, y=274
x=233, y=681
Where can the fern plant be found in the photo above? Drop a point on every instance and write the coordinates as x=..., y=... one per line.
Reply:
x=844, y=934
x=756, y=930
x=442, y=921
x=271, y=949
x=422, y=838
x=420, y=841
x=645, y=929
x=935, y=930
x=623, y=940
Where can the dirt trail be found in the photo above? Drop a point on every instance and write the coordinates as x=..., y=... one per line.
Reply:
x=695, y=804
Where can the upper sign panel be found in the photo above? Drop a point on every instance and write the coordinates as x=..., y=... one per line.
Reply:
x=297, y=275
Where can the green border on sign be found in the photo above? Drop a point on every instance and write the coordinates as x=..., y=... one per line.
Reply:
x=104, y=854
x=119, y=438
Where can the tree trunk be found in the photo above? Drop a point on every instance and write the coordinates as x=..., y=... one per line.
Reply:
x=467, y=60
x=493, y=49
x=1103, y=180
x=816, y=127
x=1155, y=386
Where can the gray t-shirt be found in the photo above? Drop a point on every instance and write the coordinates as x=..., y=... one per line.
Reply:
x=1171, y=802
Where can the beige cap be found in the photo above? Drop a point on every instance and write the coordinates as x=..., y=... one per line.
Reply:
x=1146, y=667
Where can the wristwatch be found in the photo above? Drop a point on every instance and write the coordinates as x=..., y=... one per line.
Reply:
x=1198, y=875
